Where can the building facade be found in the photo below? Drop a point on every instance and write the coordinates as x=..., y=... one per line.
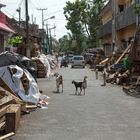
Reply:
x=118, y=25
x=5, y=31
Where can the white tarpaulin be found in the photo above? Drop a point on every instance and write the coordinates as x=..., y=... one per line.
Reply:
x=14, y=82
x=45, y=61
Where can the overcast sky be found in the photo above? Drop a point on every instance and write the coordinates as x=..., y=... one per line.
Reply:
x=54, y=8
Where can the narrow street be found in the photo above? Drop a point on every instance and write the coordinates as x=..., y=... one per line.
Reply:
x=104, y=113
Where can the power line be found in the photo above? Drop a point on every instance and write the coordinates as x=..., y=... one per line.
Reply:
x=54, y=12
x=10, y=14
x=59, y=19
x=18, y=7
x=34, y=7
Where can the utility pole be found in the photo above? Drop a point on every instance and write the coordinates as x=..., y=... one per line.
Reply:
x=47, y=41
x=19, y=12
x=113, y=25
x=42, y=11
x=51, y=38
x=27, y=29
x=50, y=47
x=32, y=19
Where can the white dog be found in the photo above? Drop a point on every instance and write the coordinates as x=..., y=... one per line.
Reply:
x=59, y=81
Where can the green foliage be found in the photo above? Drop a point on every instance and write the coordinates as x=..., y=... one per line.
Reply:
x=136, y=8
x=83, y=21
x=15, y=40
x=64, y=43
x=94, y=22
x=74, y=13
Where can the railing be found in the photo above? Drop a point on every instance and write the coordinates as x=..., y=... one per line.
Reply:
x=124, y=19
x=105, y=29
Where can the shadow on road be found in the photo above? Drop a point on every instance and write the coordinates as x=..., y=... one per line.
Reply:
x=76, y=94
x=55, y=92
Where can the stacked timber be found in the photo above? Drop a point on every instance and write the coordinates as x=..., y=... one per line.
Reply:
x=7, y=104
x=41, y=68
x=11, y=109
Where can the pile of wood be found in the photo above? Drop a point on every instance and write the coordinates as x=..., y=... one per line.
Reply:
x=132, y=90
x=41, y=68
x=11, y=108
x=10, y=113
x=119, y=78
x=116, y=72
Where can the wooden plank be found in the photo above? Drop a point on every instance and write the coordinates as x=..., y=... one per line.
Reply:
x=6, y=87
x=7, y=136
x=6, y=100
x=18, y=100
x=31, y=106
x=125, y=51
x=2, y=93
x=13, y=118
x=3, y=110
x=2, y=119
x=2, y=124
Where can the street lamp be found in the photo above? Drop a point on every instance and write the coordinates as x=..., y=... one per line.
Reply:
x=51, y=46
x=2, y=5
x=49, y=18
x=19, y=12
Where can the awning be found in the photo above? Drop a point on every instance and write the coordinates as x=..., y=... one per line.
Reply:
x=6, y=28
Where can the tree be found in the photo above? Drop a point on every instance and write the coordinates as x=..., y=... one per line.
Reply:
x=83, y=20
x=63, y=43
x=94, y=21
x=74, y=16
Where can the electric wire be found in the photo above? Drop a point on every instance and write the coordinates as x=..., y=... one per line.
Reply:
x=33, y=9
x=56, y=12
x=21, y=1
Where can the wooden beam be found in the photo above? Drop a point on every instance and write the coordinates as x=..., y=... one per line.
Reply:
x=6, y=87
x=125, y=51
x=2, y=119
x=3, y=110
x=31, y=106
x=2, y=124
x=6, y=100
x=7, y=93
x=2, y=93
x=7, y=136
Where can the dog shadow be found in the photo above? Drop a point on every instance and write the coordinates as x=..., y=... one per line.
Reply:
x=55, y=92
x=76, y=94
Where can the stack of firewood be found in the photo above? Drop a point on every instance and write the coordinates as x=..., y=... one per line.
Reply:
x=10, y=111
x=11, y=108
x=41, y=69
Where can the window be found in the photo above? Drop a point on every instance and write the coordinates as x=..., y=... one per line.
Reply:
x=121, y=8
x=78, y=58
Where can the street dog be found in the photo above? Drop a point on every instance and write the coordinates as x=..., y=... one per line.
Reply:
x=59, y=81
x=82, y=85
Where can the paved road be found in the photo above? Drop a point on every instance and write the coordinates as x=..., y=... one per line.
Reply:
x=104, y=113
